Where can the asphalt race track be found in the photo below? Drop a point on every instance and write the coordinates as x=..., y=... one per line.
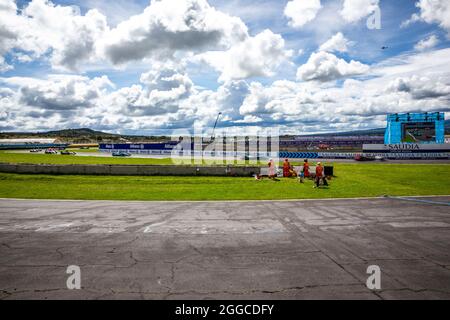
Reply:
x=155, y=156
x=239, y=250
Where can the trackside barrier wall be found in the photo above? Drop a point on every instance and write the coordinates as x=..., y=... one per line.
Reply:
x=131, y=170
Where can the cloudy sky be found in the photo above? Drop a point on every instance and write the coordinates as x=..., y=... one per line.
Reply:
x=302, y=66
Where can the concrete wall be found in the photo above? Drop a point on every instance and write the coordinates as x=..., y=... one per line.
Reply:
x=131, y=170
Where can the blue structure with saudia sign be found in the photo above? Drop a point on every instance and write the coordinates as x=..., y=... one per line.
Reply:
x=415, y=128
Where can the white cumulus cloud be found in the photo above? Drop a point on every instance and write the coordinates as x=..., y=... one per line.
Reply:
x=162, y=89
x=300, y=12
x=171, y=42
x=254, y=57
x=166, y=27
x=323, y=66
x=427, y=43
x=8, y=31
x=43, y=27
x=355, y=10
x=432, y=11
x=60, y=92
x=420, y=87
x=72, y=40
x=337, y=43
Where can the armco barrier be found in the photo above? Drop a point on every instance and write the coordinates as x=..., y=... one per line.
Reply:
x=131, y=170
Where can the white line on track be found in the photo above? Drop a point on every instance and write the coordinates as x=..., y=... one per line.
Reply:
x=198, y=201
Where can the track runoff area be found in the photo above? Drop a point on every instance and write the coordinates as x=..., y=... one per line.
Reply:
x=215, y=259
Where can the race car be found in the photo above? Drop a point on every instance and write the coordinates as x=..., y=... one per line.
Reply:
x=51, y=151
x=361, y=157
x=67, y=153
x=121, y=154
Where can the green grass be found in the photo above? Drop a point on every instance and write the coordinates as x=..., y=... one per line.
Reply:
x=41, y=158
x=352, y=180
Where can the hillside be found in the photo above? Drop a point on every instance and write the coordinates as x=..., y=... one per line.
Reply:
x=81, y=135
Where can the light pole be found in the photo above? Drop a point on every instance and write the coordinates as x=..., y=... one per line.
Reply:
x=215, y=124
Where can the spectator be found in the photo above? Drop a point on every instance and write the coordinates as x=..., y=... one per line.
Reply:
x=306, y=168
x=286, y=168
x=320, y=175
x=271, y=169
x=301, y=177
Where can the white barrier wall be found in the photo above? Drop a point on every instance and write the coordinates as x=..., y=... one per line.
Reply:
x=142, y=170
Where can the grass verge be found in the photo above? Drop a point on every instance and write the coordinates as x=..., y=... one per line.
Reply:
x=352, y=180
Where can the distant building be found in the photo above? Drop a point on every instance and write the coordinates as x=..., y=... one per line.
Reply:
x=305, y=142
x=27, y=141
x=31, y=143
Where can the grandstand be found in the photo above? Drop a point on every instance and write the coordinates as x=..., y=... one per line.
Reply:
x=32, y=143
x=327, y=142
